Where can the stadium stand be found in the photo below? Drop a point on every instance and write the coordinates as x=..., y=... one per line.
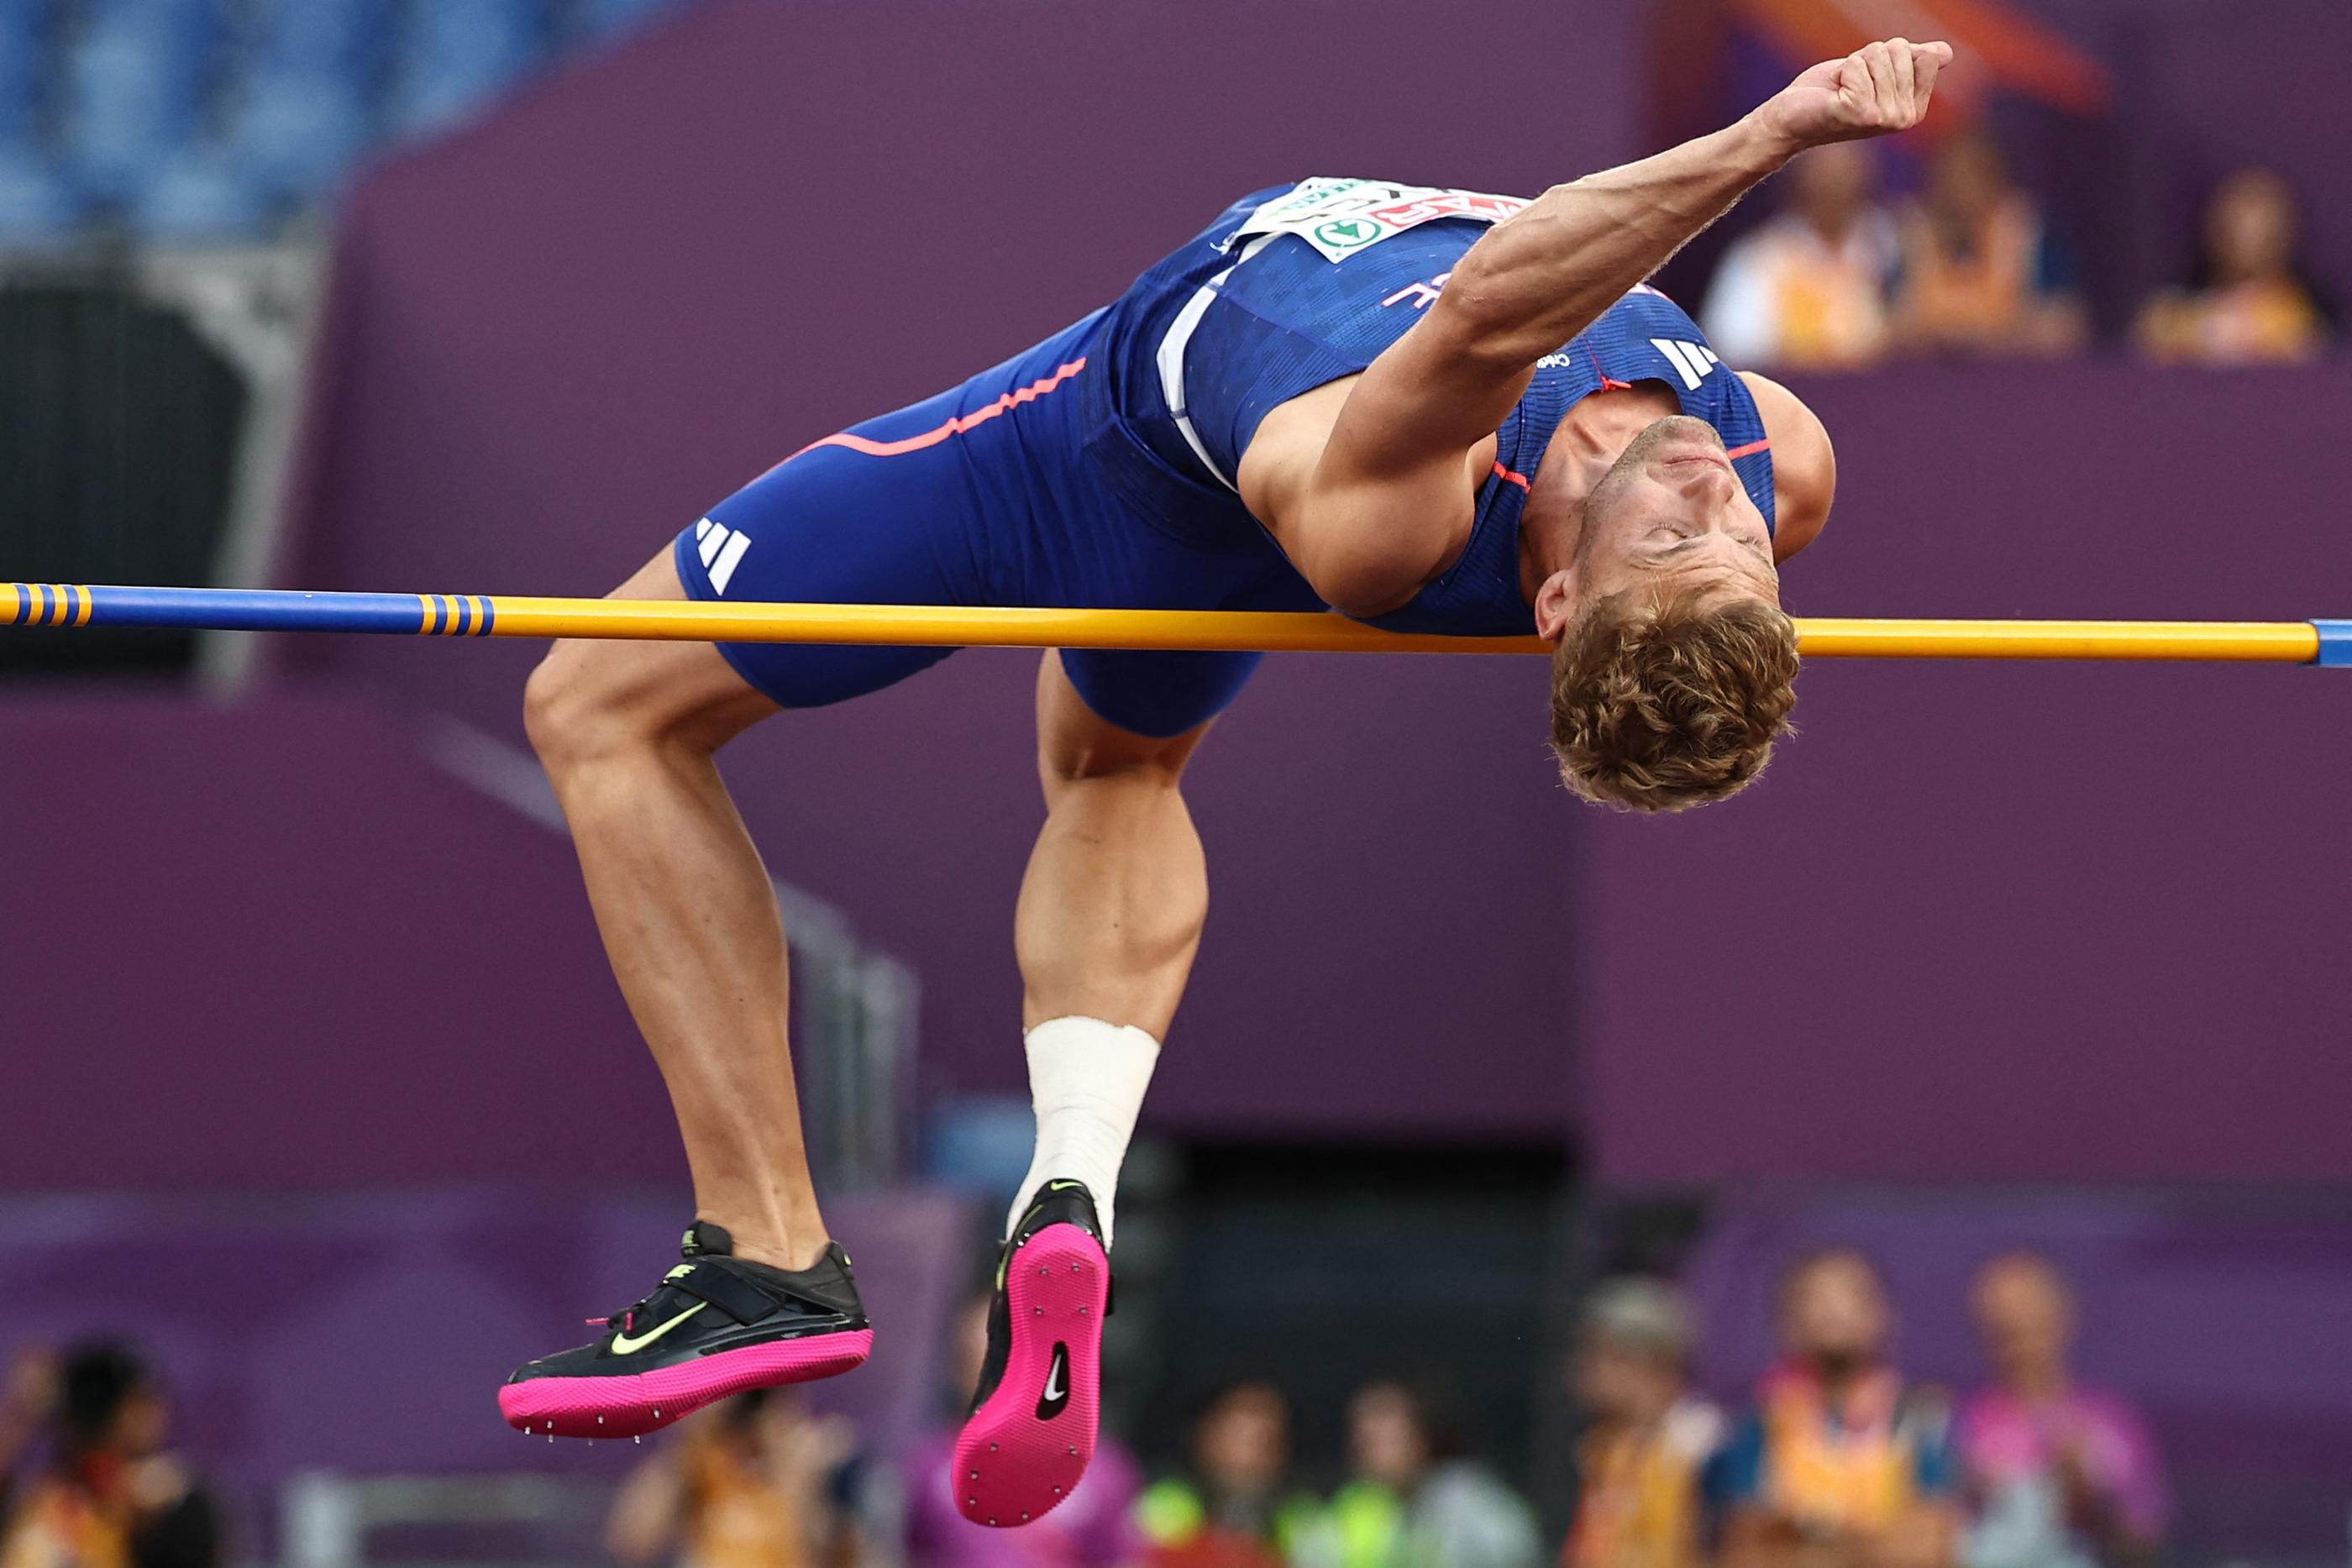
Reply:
x=215, y=121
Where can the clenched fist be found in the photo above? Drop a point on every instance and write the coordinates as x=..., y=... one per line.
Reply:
x=1878, y=88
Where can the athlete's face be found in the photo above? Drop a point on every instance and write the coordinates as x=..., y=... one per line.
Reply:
x=1670, y=516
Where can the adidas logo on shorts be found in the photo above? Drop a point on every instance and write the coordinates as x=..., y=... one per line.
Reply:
x=722, y=551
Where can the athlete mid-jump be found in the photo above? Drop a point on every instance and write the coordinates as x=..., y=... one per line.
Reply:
x=1435, y=409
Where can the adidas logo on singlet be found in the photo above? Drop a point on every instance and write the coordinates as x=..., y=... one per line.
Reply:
x=1693, y=361
x=722, y=550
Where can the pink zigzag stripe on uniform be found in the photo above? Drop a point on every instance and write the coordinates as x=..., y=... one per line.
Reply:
x=955, y=426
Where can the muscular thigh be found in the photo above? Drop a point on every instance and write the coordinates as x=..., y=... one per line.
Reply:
x=1169, y=694
x=1076, y=742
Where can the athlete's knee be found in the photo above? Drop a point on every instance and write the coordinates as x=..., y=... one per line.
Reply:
x=593, y=701
x=568, y=710
x=1065, y=760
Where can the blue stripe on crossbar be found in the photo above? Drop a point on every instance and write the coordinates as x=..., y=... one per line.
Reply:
x=254, y=609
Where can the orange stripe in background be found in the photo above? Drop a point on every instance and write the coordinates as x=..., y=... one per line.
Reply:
x=955, y=426
x=1996, y=39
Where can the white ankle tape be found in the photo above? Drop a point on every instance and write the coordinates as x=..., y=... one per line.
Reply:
x=1086, y=1080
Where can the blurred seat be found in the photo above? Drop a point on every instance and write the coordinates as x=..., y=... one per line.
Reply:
x=203, y=195
x=603, y=19
x=301, y=115
x=23, y=29
x=298, y=133
x=457, y=55
x=319, y=37
x=135, y=81
x=40, y=205
x=205, y=119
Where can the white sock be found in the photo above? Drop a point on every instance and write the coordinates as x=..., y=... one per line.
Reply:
x=1087, y=1079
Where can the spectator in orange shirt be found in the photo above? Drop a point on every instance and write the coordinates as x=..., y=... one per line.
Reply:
x=27, y=1395
x=1982, y=275
x=2249, y=301
x=1807, y=291
x=753, y=1482
x=1840, y=1464
x=115, y=1496
x=1640, y=1502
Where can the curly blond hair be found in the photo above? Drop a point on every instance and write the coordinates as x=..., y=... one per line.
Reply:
x=1657, y=707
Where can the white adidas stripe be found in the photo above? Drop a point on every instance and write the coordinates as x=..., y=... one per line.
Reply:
x=730, y=556
x=1693, y=361
x=1686, y=359
x=722, y=550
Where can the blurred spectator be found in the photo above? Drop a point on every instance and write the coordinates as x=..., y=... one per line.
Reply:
x=1648, y=1438
x=1807, y=291
x=1235, y=1506
x=753, y=1482
x=1982, y=275
x=114, y=1496
x=27, y=1398
x=2249, y=300
x=1417, y=1501
x=2062, y=1476
x=1093, y=1527
x=1839, y=1464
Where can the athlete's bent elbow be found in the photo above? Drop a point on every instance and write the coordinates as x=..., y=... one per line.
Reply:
x=1484, y=319
x=1475, y=314
x=1361, y=584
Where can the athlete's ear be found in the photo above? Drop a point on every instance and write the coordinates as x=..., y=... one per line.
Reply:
x=1555, y=604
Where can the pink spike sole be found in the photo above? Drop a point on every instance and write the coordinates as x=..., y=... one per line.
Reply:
x=1024, y=1449
x=629, y=1407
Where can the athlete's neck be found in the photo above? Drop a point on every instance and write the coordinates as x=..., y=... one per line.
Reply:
x=1590, y=440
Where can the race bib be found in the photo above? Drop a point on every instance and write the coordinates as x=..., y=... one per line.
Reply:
x=1340, y=217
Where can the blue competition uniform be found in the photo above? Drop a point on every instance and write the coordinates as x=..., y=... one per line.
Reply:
x=1095, y=470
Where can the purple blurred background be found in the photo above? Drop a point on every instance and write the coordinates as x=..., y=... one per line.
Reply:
x=2033, y=922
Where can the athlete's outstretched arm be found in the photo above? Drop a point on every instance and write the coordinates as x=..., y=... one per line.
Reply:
x=1538, y=279
x=1391, y=475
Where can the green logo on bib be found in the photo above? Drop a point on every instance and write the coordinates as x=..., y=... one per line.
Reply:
x=1346, y=234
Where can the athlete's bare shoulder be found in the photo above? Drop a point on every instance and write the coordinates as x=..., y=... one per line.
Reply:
x=1804, y=465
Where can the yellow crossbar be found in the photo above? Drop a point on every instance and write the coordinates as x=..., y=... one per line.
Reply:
x=2285, y=642
x=487, y=615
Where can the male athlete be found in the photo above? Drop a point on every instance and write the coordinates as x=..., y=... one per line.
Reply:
x=1437, y=411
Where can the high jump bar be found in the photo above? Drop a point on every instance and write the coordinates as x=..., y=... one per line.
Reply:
x=2322, y=642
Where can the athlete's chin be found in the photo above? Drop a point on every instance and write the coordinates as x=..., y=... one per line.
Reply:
x=1674, y=438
